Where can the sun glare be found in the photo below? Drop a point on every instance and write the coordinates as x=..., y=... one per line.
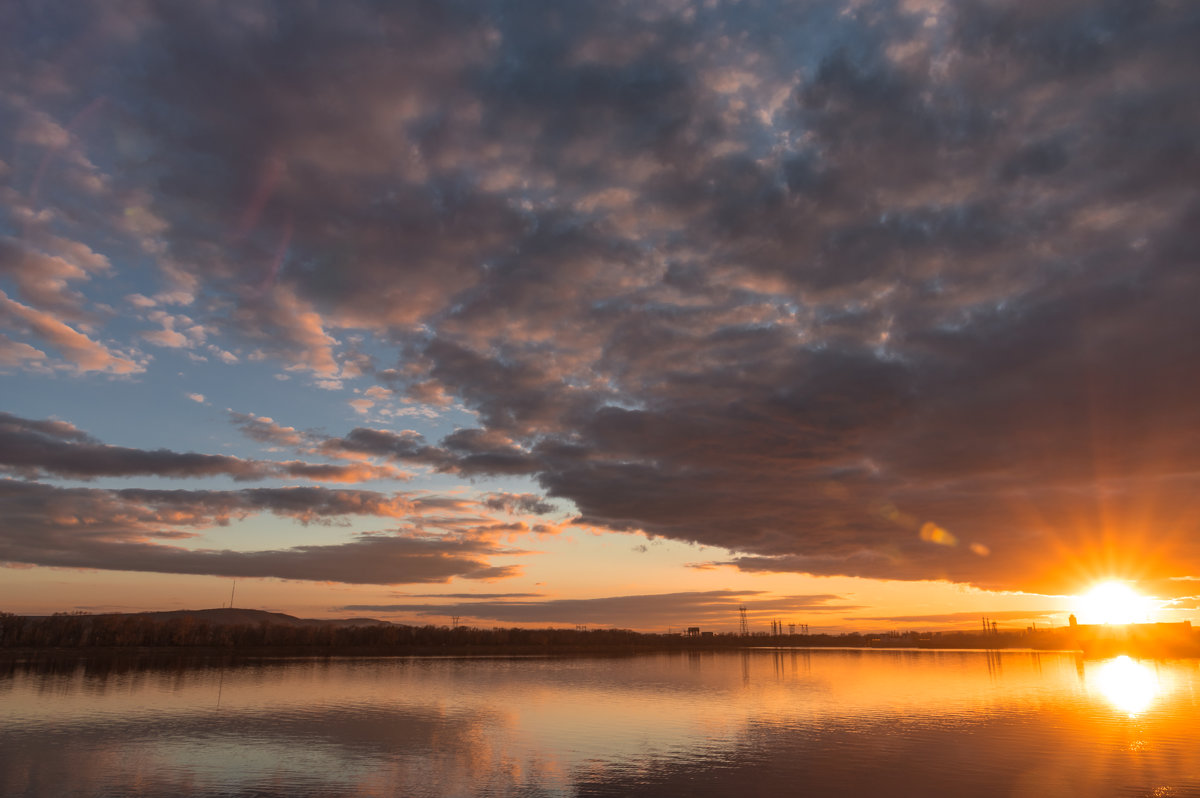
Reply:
x=1127, y=685
x=1114, y=603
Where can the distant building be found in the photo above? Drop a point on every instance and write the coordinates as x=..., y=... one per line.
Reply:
x=1137, y=639
x=693, y=631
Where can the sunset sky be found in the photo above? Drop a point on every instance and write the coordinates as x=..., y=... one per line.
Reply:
x=865, y=315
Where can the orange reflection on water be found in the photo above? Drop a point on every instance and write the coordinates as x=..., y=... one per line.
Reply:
x=1127, y=685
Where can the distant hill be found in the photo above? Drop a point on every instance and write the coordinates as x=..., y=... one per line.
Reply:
x=247, y=617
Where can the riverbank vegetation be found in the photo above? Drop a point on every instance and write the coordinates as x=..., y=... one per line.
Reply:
x=254, y=632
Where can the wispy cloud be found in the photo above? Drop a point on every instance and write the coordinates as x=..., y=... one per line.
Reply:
x=35, y=448
x=133, y=530
x=638, y=611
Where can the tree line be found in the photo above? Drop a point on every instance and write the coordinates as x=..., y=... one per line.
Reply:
x=116, y=631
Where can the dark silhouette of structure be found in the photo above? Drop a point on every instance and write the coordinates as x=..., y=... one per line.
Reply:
x=246, y=632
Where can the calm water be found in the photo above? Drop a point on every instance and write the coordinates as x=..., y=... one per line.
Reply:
x=764, y=722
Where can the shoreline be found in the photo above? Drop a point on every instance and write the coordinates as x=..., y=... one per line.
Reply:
x=198, y=654
x=257, y=634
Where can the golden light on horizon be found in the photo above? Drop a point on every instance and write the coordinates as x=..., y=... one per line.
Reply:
x=1127, y=685
x=1114, y=603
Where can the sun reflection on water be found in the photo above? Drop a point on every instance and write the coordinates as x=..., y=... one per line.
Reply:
x=1127, y=685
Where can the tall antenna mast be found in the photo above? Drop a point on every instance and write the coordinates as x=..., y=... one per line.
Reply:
x=231, y=592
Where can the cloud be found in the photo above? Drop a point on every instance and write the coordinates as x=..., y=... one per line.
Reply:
x=83, y=353
x=123, y=530
x=178, y=331
x=402, y=445
x=972, y=619
x=200, y=507
x=473, y=596
x=264, y=429
x=142, y=507
x=42, y=274
x=465, y=451
x=298, y=325
x=519, y=503
x=327, y=472
x=639, y=611
x=30, y=447
x=18, y=353
x=796, y=284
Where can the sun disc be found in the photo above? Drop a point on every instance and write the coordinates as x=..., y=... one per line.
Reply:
x=1114, y=603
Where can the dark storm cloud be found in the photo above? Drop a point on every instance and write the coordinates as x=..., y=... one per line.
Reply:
x=901, y=290
x=712, y=606
x=57, y=448
x=124, y=530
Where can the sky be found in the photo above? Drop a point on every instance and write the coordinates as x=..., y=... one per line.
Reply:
x=866, y=314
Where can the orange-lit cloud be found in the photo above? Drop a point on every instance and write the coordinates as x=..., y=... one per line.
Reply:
x=123, y=530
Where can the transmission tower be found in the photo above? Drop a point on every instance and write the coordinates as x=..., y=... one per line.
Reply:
x=745, y=628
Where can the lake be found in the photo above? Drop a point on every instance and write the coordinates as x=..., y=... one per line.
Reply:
x=746, y=723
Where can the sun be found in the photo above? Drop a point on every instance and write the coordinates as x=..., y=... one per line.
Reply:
x=1114, y=603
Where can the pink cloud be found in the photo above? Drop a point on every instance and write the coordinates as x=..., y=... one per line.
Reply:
x=82, y=352
x=16, y=353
